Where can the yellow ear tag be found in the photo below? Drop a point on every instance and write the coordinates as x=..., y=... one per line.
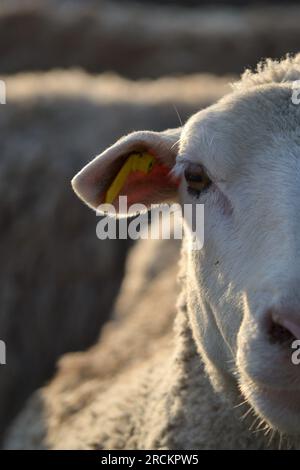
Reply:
x=135, y=162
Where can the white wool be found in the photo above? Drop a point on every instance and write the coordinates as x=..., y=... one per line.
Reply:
x=270, y=71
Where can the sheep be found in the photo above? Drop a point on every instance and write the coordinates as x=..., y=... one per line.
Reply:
x=151, y=274
x=52, y=265
x=226, y=369
x=58, y=281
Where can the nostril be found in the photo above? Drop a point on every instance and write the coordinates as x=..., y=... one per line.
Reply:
x=283, y=330
x=280, y=334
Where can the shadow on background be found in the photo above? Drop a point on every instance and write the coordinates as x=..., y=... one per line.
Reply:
x=145, y=39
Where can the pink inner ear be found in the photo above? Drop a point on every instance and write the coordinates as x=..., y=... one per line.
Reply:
x=148, y=188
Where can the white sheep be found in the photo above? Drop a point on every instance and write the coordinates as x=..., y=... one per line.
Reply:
x=238, y=311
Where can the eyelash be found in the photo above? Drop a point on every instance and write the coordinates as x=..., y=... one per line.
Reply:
x=197, y=180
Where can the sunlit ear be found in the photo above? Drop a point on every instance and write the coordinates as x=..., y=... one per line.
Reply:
x=137, y=166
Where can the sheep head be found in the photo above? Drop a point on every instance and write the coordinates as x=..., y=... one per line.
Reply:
x=240, y=158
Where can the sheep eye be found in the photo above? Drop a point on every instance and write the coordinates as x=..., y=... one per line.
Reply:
x=196, y=179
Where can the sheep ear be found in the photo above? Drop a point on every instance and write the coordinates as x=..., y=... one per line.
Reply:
x=137, y=166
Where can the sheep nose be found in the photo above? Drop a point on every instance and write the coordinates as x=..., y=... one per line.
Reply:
x=283, y=327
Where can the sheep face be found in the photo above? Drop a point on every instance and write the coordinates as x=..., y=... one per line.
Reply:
x=242, y=286
x=241, y=159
